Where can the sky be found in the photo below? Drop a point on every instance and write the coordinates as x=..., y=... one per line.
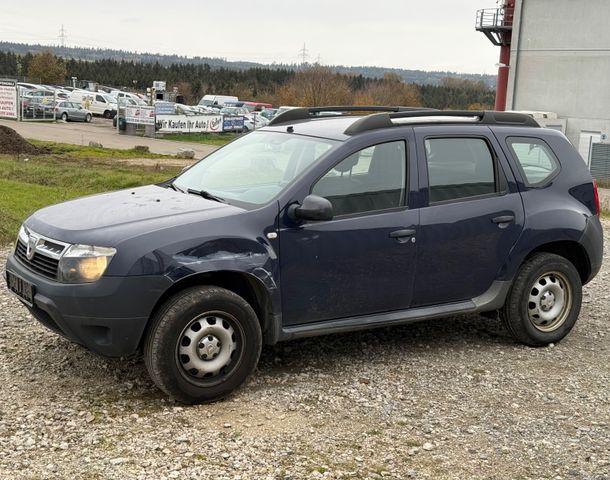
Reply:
x=410, y=34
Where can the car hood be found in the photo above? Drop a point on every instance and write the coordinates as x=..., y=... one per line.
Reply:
x=109, y=218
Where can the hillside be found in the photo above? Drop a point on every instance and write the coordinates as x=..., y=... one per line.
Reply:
x=419, y=77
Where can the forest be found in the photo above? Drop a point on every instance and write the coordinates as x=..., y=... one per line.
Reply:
x=309, y=84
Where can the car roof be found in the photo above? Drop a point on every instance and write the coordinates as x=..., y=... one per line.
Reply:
x=332, y=123
x=325, y=127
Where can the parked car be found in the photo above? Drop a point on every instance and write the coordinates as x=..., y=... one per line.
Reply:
x=235, y=111
x=254, y=120
x=217, y=100
x=71, y=111
x=41, y=95
x=100, y=104
x=269, y=113
x=316, y=225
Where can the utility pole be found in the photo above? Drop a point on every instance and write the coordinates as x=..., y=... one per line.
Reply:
x=304, y=54
x=62, y=36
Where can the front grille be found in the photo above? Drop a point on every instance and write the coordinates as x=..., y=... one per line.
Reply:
x=45, y=266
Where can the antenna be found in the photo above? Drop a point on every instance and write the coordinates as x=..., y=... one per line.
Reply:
x=304, y=54
x=62, y=36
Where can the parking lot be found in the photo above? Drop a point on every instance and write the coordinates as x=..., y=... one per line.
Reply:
x=100, y=130
x=452, y=398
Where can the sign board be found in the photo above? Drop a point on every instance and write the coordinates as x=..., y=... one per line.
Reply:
x=8, y=99
x=231, y=124
x=140, y=115
x=189, y=123
x=165, y=108
x=159, y=86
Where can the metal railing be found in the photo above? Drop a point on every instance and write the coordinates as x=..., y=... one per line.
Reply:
x=494, y=18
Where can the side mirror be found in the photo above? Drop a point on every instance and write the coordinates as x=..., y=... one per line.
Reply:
x=313, y=208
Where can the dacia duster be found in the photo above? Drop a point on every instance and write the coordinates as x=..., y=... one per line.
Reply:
x=319, y=224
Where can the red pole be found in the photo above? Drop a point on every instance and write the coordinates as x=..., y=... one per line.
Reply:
x=502, y=81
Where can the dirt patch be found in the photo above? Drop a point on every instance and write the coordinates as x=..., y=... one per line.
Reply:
x=12, y=142
x=156, y=162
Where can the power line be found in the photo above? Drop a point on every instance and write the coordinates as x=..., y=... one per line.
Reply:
x=304, y=54
x=62, y=36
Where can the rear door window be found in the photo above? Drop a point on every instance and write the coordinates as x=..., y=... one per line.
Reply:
x=460, y=168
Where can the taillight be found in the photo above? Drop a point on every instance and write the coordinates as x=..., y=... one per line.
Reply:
x=597, y=207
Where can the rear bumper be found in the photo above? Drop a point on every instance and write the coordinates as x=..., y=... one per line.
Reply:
x=108, y=316
x=593, y=242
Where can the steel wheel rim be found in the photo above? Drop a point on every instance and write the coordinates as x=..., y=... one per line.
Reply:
x=209, y=347
x=549, y=302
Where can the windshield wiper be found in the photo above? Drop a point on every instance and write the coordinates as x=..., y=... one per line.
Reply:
x=206, y=195
x=173, y=186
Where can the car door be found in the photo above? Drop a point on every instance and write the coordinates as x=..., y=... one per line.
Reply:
x=473, y=218
x=362, y=261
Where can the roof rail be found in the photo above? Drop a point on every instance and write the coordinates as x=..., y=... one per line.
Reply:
x=384, y=120
x=306, y=113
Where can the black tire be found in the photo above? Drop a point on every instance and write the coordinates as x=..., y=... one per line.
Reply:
x=64, y=117
x=107, y=114
x=88, y=118
x=544, y=301
x=220, y=315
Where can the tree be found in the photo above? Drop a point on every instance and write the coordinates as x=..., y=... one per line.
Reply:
x=390, y=90
x=315, y=86
x=47, y=68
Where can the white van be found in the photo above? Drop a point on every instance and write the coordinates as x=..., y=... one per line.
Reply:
x=133, y=96
x=217, y=100
x=98, y=103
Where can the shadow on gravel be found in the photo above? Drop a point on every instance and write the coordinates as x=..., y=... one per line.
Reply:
x=432, y=336
x=102, y=381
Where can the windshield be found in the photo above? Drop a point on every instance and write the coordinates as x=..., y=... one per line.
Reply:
x=254, y=168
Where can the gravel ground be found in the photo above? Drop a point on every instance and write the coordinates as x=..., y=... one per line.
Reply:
x=452, y=398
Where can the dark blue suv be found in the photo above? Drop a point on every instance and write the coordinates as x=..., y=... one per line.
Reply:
x=319, y=224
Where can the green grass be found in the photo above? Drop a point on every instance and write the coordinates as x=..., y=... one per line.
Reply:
x=86, y=152
x=26, y=186
x=217, y=139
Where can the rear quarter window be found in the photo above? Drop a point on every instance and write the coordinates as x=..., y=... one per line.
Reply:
x=535, y=159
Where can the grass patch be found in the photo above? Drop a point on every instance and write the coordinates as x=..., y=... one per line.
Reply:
x=217, y=139
x=44, y=180
x=86, y=152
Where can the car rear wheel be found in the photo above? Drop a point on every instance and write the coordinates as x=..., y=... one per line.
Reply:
x=544, y=301
x=202, y=344
x=64, y=117
x=88, y=118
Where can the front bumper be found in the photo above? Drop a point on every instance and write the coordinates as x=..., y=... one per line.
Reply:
x=108, y=316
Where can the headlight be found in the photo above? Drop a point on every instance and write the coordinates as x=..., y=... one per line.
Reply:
x=84, y=263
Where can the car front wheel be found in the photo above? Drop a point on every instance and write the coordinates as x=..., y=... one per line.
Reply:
x=544, y=301
x=64, y=117
x=202, y=344
x=88, y=118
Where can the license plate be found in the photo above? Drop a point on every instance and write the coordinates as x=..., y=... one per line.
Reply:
x=23, y=289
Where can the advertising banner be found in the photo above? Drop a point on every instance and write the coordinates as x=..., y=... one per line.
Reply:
x=140, y=115
x=8, y=99
x=189, y=123
x=231, y=124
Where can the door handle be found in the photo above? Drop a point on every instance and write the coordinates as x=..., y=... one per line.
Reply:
x=503, y=219
x=409, y=232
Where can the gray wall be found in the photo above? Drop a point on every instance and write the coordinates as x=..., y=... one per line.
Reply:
x=560, y=62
